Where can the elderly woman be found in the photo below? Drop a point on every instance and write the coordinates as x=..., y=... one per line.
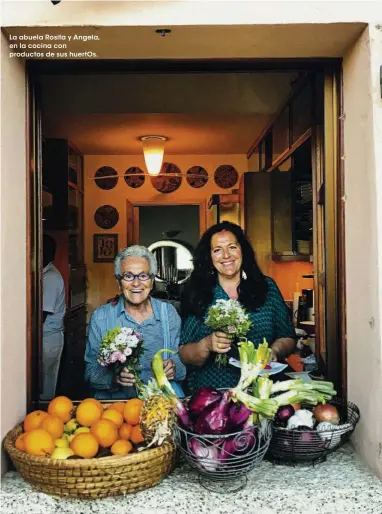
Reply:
x=158, y=322
x=225, y=267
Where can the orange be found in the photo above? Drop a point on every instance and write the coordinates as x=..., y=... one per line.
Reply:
x=87, y=413
x=120, y=406
x=61, y=406
x=114, y=416
x=53, y=425
x=136, y=435
x=84, y=445
x=124, y=431
x=100, y=406
x=20, y=443
x=121, y=447
x=132, y=411
x=34, y=420
x=105, y=431
x=39, y=442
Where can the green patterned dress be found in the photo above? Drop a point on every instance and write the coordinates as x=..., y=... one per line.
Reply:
x=271, y=321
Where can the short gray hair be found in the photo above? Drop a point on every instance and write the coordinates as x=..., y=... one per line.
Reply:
x=135, y=251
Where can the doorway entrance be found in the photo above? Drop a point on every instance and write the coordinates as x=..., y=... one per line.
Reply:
x=260, y=159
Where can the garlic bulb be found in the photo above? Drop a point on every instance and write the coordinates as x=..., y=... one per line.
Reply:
x=302, y=417
x=330, y=432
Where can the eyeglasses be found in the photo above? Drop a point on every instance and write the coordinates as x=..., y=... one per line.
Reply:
x=130, y=277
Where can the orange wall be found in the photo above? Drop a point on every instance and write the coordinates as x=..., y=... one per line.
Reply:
x=101, y=282
x=288, y=276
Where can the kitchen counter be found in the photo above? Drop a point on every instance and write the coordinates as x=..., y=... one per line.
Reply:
x=341, y=485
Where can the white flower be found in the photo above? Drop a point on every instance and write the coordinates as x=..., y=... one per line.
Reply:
x=132, y=341
x=127, y=351
x=121, y=339
x=127, y=331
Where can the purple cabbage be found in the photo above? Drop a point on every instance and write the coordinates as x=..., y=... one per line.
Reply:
x=203, y=397
x=215, y=418
x=238, y=415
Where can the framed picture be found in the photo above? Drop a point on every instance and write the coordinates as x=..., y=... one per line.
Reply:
x=105, y=247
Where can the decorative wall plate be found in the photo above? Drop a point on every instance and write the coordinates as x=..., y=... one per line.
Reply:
x=132, y=180
x=226, y=176
x=197, y=176
x=164, y=182
x=106, y=216
x=109, y=182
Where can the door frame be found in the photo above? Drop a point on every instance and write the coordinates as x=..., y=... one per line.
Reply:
x=132, y=215
x=34, y=231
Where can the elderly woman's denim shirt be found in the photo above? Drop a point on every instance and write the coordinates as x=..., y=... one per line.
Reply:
x=111, y=315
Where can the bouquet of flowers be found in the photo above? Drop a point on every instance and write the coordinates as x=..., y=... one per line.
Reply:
x=230, y=317
x=122, y=347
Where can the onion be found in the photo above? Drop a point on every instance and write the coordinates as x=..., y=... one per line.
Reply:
x=326, y=412
x=239, y=445
x=203, y=397
x=207, y=456
x=284, y=413
x=215, y=418
x=238, y=415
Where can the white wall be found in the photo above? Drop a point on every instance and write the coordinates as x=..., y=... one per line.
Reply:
x=13, y=242
x=165, y=13
x=363, y=188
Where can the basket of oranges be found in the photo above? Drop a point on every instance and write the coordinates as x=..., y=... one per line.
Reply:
x=92, y=450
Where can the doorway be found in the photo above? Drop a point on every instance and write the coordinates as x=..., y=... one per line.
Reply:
x=102, y=276
x=171, y=232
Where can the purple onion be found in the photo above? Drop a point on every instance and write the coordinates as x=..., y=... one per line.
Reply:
x=238, y=415
x=182, y=414
x=284, y=413
x=203, y=452
x=215, y=418
x=238, y=445
x=203, y=397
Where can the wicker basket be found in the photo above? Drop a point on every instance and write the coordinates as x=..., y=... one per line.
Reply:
x=92, y=478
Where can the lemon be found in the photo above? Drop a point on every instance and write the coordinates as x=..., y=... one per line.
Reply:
x=62, y=453
x=62, y=443
x=71, y=426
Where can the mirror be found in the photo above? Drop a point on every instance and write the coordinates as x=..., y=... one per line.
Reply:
x=174, y=261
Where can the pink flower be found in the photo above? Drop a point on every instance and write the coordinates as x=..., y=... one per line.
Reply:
x=121, y=357
x=114, y=357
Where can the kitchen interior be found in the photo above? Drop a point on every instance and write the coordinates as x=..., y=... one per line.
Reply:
x=237, y=147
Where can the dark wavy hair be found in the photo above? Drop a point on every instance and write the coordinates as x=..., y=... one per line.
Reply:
x=197, y=294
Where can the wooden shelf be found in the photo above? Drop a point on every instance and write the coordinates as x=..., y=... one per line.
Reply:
x=291, y=258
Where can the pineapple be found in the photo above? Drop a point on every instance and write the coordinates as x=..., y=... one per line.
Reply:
x=157, y=416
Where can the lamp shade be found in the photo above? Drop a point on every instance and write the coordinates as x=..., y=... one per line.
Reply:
x=153, y=149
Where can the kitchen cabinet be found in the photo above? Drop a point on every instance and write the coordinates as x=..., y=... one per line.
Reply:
x=301, y=118
x=292, y=207
x=255, y=214
x=63, y=178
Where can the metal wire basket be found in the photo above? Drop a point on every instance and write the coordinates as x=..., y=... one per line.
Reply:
x=311, y=446
x=223, y=461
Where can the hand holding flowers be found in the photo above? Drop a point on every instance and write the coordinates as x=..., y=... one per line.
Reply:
x=120, y=350
x=230, y=322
